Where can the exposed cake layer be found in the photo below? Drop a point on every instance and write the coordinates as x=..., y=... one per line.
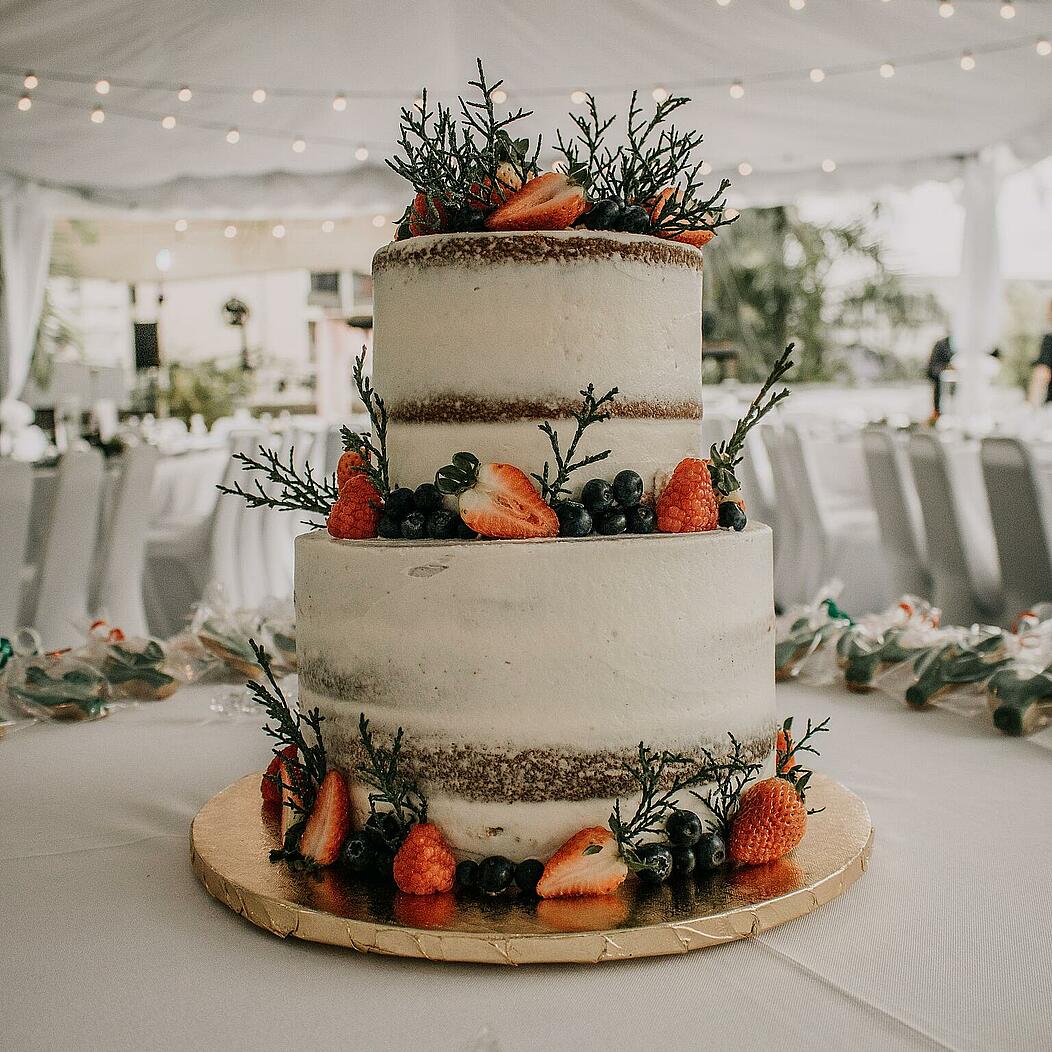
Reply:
x=492, y=333
x=525, y=673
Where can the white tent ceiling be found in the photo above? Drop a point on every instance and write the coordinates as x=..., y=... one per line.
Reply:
x=876, y=129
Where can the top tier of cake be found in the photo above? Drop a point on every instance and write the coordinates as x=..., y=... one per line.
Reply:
x=479, y=337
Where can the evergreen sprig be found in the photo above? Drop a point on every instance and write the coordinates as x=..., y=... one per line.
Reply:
x=729, y=778
x=296, y=490
x=372, y=452
x=590, y=412
x=725, y=457
x=291, y=727
x=380, y=772
x=656, y=156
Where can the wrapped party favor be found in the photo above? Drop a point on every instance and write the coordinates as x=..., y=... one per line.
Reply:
x=801, y=635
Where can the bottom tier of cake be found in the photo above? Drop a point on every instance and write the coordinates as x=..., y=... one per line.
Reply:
x=525, y=674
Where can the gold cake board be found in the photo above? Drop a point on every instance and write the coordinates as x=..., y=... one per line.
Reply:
x=230, y=840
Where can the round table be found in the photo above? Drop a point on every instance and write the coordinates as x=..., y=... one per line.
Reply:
x=110, y=941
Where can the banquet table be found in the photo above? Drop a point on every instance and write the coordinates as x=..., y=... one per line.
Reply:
x=109, y=942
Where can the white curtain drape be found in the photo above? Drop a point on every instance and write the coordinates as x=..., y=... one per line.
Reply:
x=25, y=252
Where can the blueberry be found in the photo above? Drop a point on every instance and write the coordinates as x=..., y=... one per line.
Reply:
x=386, y=825
x=495, y=875
x=641, y=519
x=683, y=861
x=357, y=853
x=427, y=497
x=731, y=516
x=657, y=863
x=628, y=488
x=399, y=504
x=710, y=852
x=442, y=525
x=465, y=532
x=414, y=526
x=468, y=873
x=574, y=519
x=389, y=527
x=635, y=220
x=597, y=496
x=611, y=522
x=604, y=214
x=527, y=873
x=683, y=828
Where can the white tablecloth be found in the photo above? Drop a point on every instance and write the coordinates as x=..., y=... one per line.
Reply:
x=110, y=943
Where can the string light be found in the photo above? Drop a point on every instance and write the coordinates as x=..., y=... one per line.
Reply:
x=230, y=231
x=328, y=226
x=278, y=230
x=745, y=168
x=299, y=145
x=829, y=166
x=259, y=95
x=379, y=221
x=817, y=75
x=181, y=226
x=339, y=103
x=102, y=86
x=967, y=61
x=659, y=95
x=98, y=115
x=1044, y=47
x=724, y=3
x=168, y=123
x=577, y=97
x=233, y=136
x=737, y=89
x=1007, y=9
x=798, y=5
x=25, y=103
x=418, y=102
x=946, y=9
x=184, y=94
x=705, y=168
x=30, y=81
x=887, y=70
x=499, y=96
x=361, y=154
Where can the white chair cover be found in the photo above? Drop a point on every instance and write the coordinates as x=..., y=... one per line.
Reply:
x=898, y=512
x=16, y=501
x=122, y=553
x=1020, y=508
x=757, y=480
x=61, y=591
x=278, y=528
x=792, y=583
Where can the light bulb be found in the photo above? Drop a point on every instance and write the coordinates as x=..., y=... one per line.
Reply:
x=499, y=96
x=887, y=70
x=967, y=61
x=829, y=165
x=723, y=3
x=418, y=102
x=705, y=168
x=30, y=81
x=168, y=123
x=339, y=103
x=278, y=230
x=181, y=226
x=184, y=94
x=946, y=8
x=577, y=97
x=299, y=145
x=25, y=103
x=745, y=168
x=798, y=5
x=361, y=154
x=817, y=76
x=98, y=115
x=259, y=95
x=379, y=221
x=230, y=231
x=1007, y=9
x=737, y=89
x=1044, y=47
x=328, y=226
x=659, y=94
x=233, y=136
x=102, y=86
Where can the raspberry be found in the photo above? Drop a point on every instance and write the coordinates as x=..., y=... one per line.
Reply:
x=424, y=864
x=356, y=515
x=688, y=504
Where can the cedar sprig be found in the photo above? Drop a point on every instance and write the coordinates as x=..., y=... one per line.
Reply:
x=656, y=156
x=725, y=457
x=380, y=772
x=651, y=771
x=729, y=778
x=295, y=490
x=591, y=412
x=799, y=776
x=372, y=450
x=290, y=726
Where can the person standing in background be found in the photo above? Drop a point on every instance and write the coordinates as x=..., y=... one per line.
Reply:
x=1040, y=390
x=940, y=357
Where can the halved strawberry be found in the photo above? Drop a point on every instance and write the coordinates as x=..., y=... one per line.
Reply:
x=551, y=201
x=697, y=238
x=291, y=801
x=658, y=204
x=587, y=864
x=327, y=827
x=427, y=215
x=270, y=786
x=487, y=193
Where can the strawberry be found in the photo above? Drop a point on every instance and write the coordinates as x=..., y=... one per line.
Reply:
x=484, y=195
x=551, y=201
x=329, y=821
x=688, y=504
x=291, y=801
x=347, y=468
x=427, y=215
x=770, y=821
x=587, y=864
x=424, y=864
x=356, y=515
x=270, y=786
x=497, y=500
x=697, y=238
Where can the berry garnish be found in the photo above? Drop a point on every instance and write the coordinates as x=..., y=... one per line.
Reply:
x=497, y=500
x=427, y=497
x=552, y=201
x=270, y=785
x=389, y=528
x=414, y=526
x=710, y=853
x=635, y=220
x=628, y=488
x=656, y=862
x=400, y=503
x=527, y=874
x=356, y=514
x=574, y=519
x=291, y=801
x=731, y=515
x=683, y=828
x=611, y=522
x=386, y=825
x=770, y=821
x=357, y=854
x=424, y=864
x=687, y=504
x=495, y=875
x=598, y=496
x=348, y=466
x=442, y=524
x=683, y=861
x=603, y=215
x=641, y=519
x=327, y=826
x=589, y=863
x=468, y=873
x=427, y=215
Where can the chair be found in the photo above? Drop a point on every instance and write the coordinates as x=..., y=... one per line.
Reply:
x=16, y=501
x=791, y=583
x=757, y=480
x=57, y=590
x=1020, y=509
x=898, y=512
x=122, y=556
x=962, y=557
